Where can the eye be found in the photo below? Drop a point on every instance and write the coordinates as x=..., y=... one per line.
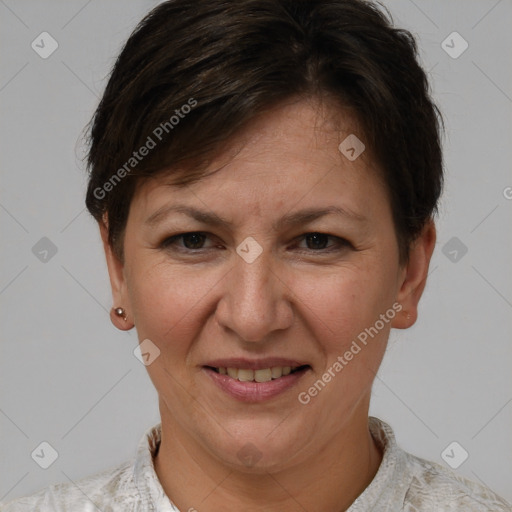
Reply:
x=317, y=242
x=191, y=241
x=194, y=242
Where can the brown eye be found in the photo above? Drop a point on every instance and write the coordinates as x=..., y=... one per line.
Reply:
x=193, y=240
x=319, y=242
x=190, y=241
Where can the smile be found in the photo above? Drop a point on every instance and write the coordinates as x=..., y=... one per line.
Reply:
x=248, y=385
x=263, y=375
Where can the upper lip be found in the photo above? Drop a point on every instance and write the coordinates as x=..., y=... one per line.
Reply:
x=254, y=364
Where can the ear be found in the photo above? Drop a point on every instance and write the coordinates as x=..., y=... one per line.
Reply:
x=414, y=277
x=117, y=282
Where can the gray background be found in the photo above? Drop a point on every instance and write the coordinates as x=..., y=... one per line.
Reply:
x=70, y=378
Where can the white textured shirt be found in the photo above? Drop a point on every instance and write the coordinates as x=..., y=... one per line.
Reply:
x=403, y=482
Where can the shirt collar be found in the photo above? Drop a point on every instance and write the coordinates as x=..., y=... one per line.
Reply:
x=152, y=495
x=387, y=487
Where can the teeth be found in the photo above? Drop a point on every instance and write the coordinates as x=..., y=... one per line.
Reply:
x=276, y=372
x=245, y=375
x=263, y=375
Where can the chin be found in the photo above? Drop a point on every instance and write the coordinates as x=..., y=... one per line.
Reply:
x=258, y=453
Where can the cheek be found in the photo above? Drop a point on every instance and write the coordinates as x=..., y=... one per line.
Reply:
x=342, y=304
x=341, y=309
x=170, y=302
x=160, y=298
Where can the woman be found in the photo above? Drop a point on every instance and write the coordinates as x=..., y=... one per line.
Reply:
x=265, y=175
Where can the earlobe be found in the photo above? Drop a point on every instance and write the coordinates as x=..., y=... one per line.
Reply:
x=117, y=282
x=414, y=277
x=119, y=318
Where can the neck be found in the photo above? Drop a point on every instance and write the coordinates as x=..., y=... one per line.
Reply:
x=331, y=480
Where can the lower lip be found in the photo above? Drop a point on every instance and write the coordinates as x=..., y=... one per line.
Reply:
x=254, y=391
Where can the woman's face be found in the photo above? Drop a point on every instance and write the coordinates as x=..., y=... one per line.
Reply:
x=260, y=285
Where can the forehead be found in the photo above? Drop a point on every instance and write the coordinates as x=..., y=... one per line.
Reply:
x=306, y=131
x=288, y=154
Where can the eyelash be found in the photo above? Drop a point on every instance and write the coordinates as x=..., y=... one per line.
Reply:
x=170, y=243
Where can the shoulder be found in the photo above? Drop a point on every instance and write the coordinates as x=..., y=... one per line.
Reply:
x=434, y=487
x=409, y=483
x=110, y=487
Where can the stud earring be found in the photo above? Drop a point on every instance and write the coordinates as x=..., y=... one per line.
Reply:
x=120, y=312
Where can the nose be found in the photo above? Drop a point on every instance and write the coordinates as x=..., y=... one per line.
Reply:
x=255, y=300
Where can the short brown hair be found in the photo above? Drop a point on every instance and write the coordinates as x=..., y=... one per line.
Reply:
x=228, y=61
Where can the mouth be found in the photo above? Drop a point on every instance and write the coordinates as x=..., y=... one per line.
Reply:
x=260, y=375
x=255, y=385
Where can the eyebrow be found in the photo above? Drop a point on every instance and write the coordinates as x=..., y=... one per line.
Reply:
x=292, y=219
